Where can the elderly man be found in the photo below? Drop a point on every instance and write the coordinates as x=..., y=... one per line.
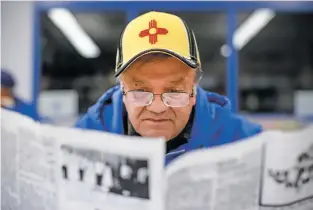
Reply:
x=158, y=66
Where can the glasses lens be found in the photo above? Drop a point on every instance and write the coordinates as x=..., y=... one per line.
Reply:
x=139, y=98
x=175, y=99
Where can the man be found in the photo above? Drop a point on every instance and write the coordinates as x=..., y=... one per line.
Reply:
x=125, y=177
x=82, y=167
x=158, y=66
x=65, y=162
x=141, y=179
x=108, y=178
x=9, y=100
x=99, y=168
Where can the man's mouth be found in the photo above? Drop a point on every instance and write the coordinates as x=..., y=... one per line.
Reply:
x=156, y=120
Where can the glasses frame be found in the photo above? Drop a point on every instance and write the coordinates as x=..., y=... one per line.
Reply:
x=191, y=95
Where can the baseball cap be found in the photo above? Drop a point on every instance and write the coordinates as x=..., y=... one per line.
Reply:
x=7, y=79
x=156, y=32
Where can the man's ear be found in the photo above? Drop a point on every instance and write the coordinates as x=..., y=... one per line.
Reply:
x=122, y=89
x=194, y=89
x=194, y=98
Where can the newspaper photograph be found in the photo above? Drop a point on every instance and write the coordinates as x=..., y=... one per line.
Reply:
x=100, y=171
x=93, y=176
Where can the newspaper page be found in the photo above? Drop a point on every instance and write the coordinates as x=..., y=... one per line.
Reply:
x=221, y=178
x=51, y=168
x=27, y=174
x=102, y=171
x=287, y=181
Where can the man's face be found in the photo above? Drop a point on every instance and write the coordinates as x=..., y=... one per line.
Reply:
x=7, y=98
x=158, y=75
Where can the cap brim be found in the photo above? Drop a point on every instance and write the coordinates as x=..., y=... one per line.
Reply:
x=191, y=63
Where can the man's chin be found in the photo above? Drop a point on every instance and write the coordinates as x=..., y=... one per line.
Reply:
x=150, y=129
x=156, y=134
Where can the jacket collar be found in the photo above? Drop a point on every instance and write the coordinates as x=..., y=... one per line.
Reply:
x=117, y=114
x=203, y=118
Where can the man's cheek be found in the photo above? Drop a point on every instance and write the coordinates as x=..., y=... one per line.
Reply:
x=139, y=111
x=134, y=111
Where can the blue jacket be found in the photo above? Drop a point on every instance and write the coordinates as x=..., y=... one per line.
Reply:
x=24, y=108
x=213, y=123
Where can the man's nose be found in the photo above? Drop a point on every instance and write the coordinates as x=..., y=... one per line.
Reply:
x=157, y=105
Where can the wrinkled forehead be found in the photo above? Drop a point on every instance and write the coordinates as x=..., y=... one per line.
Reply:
x=164, y=69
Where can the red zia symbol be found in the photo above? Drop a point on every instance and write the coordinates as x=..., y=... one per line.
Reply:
x=153, y=31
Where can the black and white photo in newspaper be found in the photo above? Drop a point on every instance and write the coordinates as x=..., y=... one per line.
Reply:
x=220, y=178
x=100, y=171
x=103, y=174
x=28, y=178
x=287, y=181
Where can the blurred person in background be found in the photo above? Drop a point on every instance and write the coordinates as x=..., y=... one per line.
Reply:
x=158, y=66
x=10, y=101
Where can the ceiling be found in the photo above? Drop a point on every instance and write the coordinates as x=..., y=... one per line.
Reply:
x=281, y=47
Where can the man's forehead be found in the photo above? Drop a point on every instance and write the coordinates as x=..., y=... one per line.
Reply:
x=171, y=75
x=172, y=80
x=150, y=61
x=170, y=71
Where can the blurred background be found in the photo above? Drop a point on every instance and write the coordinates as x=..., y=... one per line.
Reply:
x=261, y=55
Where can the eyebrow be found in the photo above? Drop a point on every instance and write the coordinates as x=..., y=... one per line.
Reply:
x=181, y=79
x=178, y=81
x=135, y=80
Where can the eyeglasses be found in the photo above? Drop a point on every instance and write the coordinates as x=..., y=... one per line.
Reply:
x=170, y=99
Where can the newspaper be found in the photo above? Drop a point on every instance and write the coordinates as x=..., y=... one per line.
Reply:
x=52, y=168
x=287, y=179
x=271, y=171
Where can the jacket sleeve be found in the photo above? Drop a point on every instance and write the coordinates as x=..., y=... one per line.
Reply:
x=247, y=129
x=84, y=122
x=89, y=120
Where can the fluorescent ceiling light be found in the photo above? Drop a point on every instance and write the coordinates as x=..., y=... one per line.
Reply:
x=69, y=26
x=252, y=26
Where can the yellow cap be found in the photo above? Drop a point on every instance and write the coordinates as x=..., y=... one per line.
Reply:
x=157, y=32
